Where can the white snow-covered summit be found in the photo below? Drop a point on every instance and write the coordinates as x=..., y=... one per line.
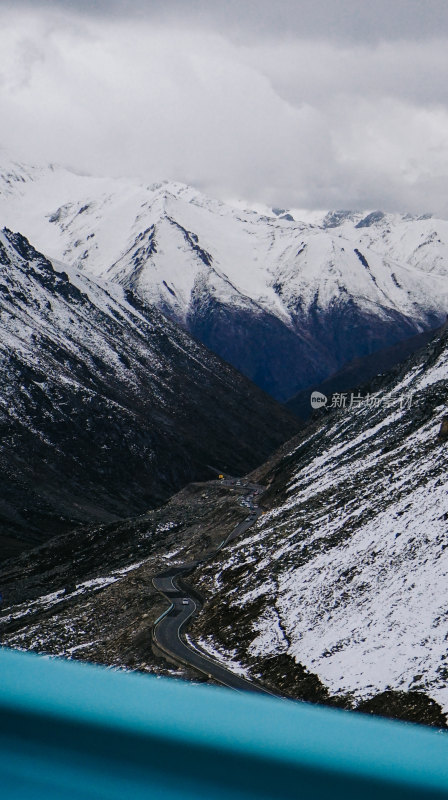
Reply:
x=296, y=289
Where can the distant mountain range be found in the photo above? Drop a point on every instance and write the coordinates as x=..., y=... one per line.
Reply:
x=106, y=407
x=288, y=303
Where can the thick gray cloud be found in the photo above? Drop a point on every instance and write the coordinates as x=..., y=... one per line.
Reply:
x=316, y=103
x=356, y=20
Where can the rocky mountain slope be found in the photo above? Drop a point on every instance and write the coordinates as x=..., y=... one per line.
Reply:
x=106, y=407
x=337, y=595
x=341, y=590
x=286, y=302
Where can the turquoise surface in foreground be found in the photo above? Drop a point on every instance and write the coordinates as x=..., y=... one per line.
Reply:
x=71, y=730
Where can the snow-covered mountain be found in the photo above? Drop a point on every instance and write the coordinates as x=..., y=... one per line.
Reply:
x=106, y=407
x=286, y=302
x=342, y=586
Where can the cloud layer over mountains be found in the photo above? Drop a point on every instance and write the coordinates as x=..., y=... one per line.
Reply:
x=312, y=104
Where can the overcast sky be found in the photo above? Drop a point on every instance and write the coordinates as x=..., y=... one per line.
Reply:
x=309, y=103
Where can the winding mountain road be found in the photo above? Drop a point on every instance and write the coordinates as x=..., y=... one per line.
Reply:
x=168, y=629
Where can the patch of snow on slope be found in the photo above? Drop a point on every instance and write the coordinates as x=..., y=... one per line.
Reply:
x=349, y=572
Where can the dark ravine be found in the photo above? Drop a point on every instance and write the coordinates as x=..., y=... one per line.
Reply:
x=285, y=359
x=358, y=372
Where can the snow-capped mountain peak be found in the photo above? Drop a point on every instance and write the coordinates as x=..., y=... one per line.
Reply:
x=297, y=289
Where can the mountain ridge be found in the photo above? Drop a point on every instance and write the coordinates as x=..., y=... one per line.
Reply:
x=309, y=296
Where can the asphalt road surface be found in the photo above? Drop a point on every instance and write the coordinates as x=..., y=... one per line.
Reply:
x=168, y=629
